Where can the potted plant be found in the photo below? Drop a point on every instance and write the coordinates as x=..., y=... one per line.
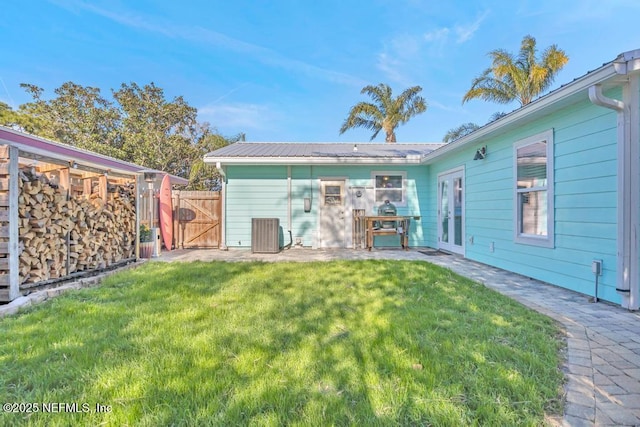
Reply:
x=146, y=244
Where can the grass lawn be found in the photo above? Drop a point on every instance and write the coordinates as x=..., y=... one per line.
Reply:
x=336, y=343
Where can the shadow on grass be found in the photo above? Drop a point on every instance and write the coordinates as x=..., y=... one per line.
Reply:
x=366, y=342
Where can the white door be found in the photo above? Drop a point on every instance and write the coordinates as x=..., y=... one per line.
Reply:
x=332, y=214
x=451, y=211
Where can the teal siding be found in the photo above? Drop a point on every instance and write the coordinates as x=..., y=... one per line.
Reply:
x=261, y=191
x=584, y=198
x=303, y=224
x=253, y=192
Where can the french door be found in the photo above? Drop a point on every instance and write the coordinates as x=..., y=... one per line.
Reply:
x=451, y=211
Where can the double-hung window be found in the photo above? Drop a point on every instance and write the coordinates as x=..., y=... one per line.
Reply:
x=533, y=172
x=390, y=186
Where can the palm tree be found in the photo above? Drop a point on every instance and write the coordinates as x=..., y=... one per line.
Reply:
x=495, y=116
x=519, y=78
x=460, y=131
x=386, y=113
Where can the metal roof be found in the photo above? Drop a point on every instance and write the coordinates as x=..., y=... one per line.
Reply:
x=288, y=152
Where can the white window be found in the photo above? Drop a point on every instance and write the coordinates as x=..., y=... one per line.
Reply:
x=333, y=195
x=533, y=172
x=390, y=186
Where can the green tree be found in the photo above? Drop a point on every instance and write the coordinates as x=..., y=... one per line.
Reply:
x=386, y=112
x=156, y=133
x=77, y=116
x=18, y=120
x=521, y=77
x=460, y=131
x=204, y=176
x=138, y=125
x=466, y=128
x=497, y=115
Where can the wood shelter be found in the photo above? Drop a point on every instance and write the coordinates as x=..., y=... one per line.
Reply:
x=65, y=211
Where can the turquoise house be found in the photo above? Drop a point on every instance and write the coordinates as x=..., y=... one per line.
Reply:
x=550, y=191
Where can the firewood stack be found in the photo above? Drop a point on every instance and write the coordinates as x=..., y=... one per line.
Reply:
x=59, y=236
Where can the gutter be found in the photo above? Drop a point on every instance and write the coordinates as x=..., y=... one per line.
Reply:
x=253, y=161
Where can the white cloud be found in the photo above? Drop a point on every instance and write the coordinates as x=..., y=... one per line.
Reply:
x=402, y=53
x=238, y=116
x=438, y=35
x=213, y=38
x=392, y=67
x=466, y=32
x=587, y=11
x=399, y=57
x=10, y=101
x=463, y=32
x=444, y=107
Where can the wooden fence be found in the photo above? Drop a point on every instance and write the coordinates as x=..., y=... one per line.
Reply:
x=196, y=219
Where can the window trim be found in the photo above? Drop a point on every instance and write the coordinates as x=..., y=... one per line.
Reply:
x=529, y=239
x=403, y=174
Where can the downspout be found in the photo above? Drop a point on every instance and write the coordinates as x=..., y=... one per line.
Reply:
x=634, y=141
x=628, y=187
x=289, y=208
x=597, y=97
x=223, y=208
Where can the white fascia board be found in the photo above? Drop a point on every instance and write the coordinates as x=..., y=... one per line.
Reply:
x=311, y=161
x=582, y=84
x=176, y=180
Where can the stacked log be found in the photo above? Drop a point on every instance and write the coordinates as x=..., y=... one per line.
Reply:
x=61, y=235
x=43, y=224
x=103, y=233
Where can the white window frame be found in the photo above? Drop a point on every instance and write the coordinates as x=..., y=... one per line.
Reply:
x=403, y=174
x=532, y=239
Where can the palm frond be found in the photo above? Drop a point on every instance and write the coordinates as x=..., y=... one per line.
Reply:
x=363, y=115
x=386, y=112
x=409, y=103
x=490, y=89
x=520, y=77
x=460, y=131
x=381, y=94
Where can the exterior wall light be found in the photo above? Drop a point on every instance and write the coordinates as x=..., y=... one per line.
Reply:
x=481, y=153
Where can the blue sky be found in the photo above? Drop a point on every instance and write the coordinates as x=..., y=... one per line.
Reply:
x=290, y=70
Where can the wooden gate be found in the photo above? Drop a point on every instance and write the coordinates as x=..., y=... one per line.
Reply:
x=196, y=219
